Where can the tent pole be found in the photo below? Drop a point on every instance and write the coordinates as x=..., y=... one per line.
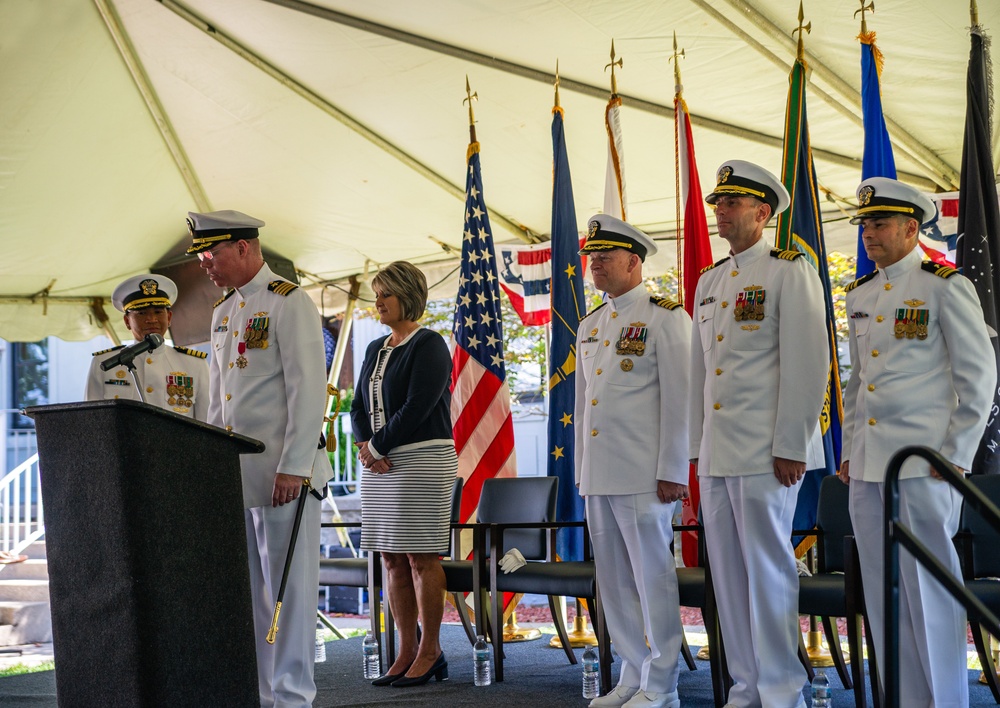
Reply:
x=166, y=128
x=516, y=228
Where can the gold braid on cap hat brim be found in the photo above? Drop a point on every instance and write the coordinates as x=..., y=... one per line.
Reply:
x=146, y=302
x=740, y=190
x=604, y=245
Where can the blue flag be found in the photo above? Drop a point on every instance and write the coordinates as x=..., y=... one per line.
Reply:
x=877, y=160
x=567, y=309
x=800, y=229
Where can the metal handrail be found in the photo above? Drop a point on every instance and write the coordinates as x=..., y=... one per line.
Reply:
x=20, y=493
x=896, y=534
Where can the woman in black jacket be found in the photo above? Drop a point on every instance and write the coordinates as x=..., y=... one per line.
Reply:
x=402, y=424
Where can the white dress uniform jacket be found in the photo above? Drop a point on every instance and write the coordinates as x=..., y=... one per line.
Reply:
x=933, y=386
x=158, y=371
x=757, y=385
x=631, y=409
x=276, y=394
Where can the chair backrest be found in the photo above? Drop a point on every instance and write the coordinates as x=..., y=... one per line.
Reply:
x=511, y=500
x=984, y=538
x=833, y=518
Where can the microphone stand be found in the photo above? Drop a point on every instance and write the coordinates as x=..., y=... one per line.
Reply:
x=135, y=379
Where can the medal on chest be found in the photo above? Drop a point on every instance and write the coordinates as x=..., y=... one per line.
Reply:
x=632, y=340
x=180, y=389
x=911, y=323
x=255, y=334
x=750, y=304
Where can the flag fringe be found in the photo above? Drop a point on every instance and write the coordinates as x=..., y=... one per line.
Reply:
x=869, y=39
x=473, y=149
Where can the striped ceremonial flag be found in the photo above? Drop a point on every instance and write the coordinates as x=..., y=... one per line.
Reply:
x=568, y=307
x=525, y=275
x=480, y=400
x=800, y=229
x=692, y=237
x=877, y=160
x=615, y=201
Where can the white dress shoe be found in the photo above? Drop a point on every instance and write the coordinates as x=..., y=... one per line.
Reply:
x=618, y=697
x=646, y=699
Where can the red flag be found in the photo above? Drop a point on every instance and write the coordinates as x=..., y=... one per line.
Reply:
x=692, y=236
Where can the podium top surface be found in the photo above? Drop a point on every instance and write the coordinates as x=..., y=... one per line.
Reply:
x=248, y=445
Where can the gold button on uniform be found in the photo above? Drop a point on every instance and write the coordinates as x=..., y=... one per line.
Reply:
x=229, y=428
x=871, y=421
x=594, y=402
x=719, y=337
x=717, y=406
x=718, y=372
x=230, y=365
x=598, y=372
x=879, y=318
x=149, y=360
x=614, y=315
x=874, y=352
x=149, y=389
x=593, y=433
x=606, y=342
x=734, y=273
x=888, y=286
x=725, y=304
x=229, y=396
x=236, y=334
x=871, y=387
x=242, y=304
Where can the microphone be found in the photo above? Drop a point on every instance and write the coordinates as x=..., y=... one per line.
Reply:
x=125, y=356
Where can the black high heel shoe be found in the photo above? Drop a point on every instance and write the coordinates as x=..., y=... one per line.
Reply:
x=439, y=671
x=387, y=679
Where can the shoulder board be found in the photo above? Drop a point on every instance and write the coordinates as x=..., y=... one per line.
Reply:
x=192, y=352
x=664, y=302
x=281, y=287
x=860, y=281
x=112, y=349
x=717, y=263
x=223, y=299
x=593, y=311
x=786, y=255
x=942, y=271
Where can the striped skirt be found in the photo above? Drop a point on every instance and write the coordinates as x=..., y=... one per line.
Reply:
x=407, y=510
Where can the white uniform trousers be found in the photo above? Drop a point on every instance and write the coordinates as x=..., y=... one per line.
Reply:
x=932, y=635
x=631, y=534
x=285, y=668
x=748, y=525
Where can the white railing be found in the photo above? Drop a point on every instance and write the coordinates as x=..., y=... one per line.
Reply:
x=346, y=474
x=22, y=517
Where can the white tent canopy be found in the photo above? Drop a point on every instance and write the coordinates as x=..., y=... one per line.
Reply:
x=341, y=124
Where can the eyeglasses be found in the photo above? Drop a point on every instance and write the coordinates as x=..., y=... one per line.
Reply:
x=210, y=254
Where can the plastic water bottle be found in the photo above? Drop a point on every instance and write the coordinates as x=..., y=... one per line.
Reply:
x=481, y=657
x=320, y=644
x=369, y=648
x=821, y=697
x=591, y=674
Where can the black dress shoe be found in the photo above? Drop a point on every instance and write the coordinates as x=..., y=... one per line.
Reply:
x=439, y=671
x=387, y=679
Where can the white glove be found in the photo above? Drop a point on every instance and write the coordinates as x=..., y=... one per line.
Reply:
x=511, y=561
x=802, y=568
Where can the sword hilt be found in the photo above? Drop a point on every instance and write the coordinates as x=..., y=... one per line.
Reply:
x=273, y=632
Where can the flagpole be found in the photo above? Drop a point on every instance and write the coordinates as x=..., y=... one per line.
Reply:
x=469, y=95
x=678, y=230
x=614, y=204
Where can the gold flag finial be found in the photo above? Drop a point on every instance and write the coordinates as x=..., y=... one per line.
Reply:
x=557, y=84
x=620, y=64
x=675, y=58
x=868, y=7
x=807, y=28
x=973, y=12
x=469, y=95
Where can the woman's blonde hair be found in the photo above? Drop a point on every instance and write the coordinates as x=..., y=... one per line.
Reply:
x=406, y=282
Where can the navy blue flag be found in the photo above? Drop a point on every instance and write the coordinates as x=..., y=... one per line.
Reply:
x=877, y=160
x=800, y=229
x=568, y=308
x=978, y=251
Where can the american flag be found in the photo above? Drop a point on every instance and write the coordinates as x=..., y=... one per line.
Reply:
x=480, y=400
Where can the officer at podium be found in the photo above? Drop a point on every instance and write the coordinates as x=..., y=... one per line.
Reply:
x=174, y=378
x=268, y=381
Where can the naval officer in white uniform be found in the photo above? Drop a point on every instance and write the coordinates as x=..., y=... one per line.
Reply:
x=759, y=366
x=924, y=374
x=268, y=381
x=631, y=459
x=174, y=378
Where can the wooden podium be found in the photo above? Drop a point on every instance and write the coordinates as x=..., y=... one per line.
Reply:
x=146, y=543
